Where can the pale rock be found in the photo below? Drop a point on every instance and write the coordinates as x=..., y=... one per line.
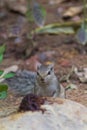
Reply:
x=60, y=114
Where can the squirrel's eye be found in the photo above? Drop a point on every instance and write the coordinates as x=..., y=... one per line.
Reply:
x=37, y=73
x=48, y=73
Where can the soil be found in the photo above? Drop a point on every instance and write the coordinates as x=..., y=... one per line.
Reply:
x=67, y=51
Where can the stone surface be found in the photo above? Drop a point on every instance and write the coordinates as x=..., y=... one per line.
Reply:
x=60, y=114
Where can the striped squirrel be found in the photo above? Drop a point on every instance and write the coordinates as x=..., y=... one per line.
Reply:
x=43, y=82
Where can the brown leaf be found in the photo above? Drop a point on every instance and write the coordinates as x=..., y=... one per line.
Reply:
x=72, y=11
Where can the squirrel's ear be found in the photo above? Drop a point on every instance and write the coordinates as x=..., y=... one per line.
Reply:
x=51, y=66
x=38, y=66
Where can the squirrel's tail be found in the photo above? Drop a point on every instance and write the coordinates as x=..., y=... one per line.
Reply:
x=22, y=83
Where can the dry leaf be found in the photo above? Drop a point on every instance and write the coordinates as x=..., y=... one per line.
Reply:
x=72, y=11
x=82, y=75
x=55, y=1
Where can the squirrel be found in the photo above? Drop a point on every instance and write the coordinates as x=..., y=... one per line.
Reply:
x=43, y=82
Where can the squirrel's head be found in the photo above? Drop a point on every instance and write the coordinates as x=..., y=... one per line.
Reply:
x=45, y=73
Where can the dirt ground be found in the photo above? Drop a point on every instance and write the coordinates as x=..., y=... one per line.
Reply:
x=62, y=49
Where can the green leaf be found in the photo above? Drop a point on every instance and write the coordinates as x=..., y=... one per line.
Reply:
x=3, y=91
x=9, y=75
x=1, y=71
x=43, y=10
x=1, y=58
x=2, y=49
x=55, y=30
x=29, y=15
x=3, y=94
x=3, y=87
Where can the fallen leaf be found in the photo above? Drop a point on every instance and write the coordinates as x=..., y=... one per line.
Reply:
x=71, y=86
x=52, y=2
x=82, y=74
x=72, y=11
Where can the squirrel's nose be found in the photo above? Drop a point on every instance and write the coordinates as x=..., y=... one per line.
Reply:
x=42, y=79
